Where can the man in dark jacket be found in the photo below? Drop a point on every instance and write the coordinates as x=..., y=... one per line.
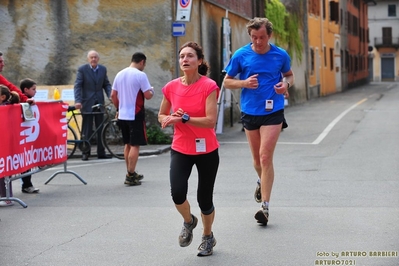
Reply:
x=90, y=85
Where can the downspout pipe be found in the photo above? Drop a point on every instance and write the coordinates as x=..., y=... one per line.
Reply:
x=306, y=42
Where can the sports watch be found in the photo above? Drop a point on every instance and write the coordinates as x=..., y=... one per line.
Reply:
x=185, y=117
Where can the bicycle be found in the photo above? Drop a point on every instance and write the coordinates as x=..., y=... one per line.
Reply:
x=111, y=136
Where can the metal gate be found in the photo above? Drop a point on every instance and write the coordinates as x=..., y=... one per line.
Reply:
x=387, y=69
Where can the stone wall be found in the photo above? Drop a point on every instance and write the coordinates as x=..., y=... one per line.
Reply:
x=48, y=40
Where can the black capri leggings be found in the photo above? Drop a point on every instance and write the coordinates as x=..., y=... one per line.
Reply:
x=181, y=166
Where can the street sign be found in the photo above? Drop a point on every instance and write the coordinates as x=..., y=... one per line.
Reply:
x=178, y=29
x=183, y=11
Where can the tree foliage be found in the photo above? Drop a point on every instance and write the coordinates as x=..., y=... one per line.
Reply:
x=287, y=23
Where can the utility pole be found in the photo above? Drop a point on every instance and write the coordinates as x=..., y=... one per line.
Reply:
x=306, y=45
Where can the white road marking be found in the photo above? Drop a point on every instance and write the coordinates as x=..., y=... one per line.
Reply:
x=335, y=121
x=320, y=138
x=78, y=164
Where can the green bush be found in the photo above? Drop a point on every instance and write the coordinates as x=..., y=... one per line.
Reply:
x=156, y=136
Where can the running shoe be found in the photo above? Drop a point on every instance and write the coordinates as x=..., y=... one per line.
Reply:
x=206, y=247
x=186, y=234
x=133, y=180
x=258, y=195
x=30, y=190
x=262, y=216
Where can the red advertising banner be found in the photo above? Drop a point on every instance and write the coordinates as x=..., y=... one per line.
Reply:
x=30, y=143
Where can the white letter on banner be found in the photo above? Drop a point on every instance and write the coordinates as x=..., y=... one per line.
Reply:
x=64, y=121
x=2, y=164
x=59, y=151
x=14, y=162
x=32, y=130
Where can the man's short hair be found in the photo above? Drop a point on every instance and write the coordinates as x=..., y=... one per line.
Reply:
x=257, y=22
x=1, y=53
x=138, y=57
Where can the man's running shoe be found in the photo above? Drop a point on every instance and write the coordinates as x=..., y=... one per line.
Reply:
x=186, y=234
x=206, y=247
x=30, y=190
x=133, y=180
x=262, y=216
x=137, y=175
x=258, y=195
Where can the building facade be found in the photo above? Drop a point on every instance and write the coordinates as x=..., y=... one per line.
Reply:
x=355, y=53
x=48, y=40
x=337, y=45
x=384, y=41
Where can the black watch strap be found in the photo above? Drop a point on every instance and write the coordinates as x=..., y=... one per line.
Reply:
x=185, y=118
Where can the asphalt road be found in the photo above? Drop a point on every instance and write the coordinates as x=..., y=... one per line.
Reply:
x=335, y=199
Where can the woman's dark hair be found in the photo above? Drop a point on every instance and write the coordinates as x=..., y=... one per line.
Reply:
x=11, y=96
x=203, y=68
x=4, y=91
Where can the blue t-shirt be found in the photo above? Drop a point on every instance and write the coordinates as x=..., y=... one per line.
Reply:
x=269, y=67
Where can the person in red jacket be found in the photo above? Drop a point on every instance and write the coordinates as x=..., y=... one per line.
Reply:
x=23, y=98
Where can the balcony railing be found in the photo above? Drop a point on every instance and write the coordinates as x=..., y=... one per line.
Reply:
x=386, y=42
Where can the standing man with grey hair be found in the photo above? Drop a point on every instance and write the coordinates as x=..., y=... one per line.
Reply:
x=90, y=85
x=265, y=75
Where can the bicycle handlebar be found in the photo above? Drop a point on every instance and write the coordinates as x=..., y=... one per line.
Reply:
x=71, y=108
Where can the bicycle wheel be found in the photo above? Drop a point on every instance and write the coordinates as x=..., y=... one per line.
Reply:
x=112, y=139
x=72, y=139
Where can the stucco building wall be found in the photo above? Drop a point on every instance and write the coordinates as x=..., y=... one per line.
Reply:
x=48, y=40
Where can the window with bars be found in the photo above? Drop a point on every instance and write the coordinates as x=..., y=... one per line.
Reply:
x=356, y=64
x=314, y=7
x=356, y=3
x=334, y=11
x=351, y=64
x=342, y=15
x=311, y=61
x=387, y=35
x=342, y=60
x=391, y=10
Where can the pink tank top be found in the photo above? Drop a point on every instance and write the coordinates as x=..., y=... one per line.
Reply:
x=189, y=139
